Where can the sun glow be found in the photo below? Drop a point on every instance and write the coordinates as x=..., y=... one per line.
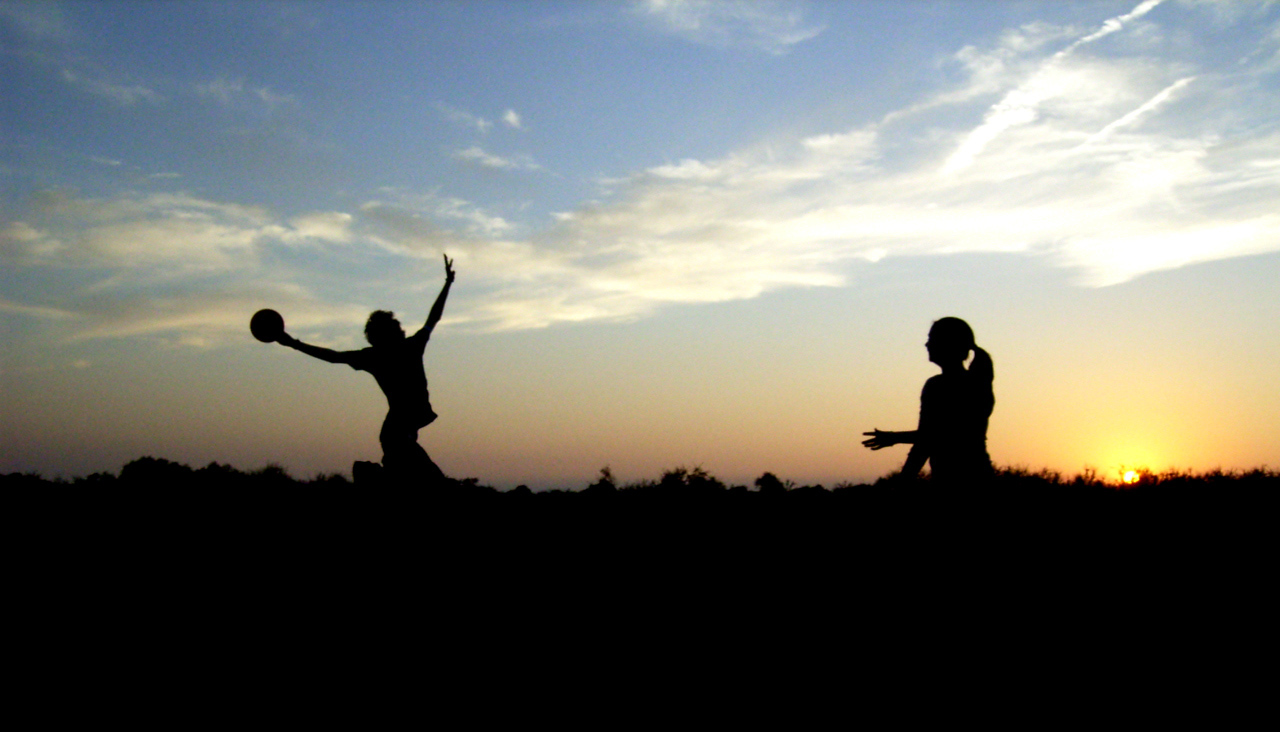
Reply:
x=1130, y=477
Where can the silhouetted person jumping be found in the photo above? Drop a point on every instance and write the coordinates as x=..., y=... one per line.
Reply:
x=954, y=408
x=396, y=363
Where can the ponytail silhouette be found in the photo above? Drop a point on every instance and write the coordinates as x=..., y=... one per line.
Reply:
x=955, y=407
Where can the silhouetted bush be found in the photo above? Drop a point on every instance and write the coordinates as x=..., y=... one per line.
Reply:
x=149, y=472
x=604, y=485
x=769, y=484
x=264, y=531
x=1035, y=495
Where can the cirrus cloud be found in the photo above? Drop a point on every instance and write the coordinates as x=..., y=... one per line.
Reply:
x=772, y=27
x=479, y=156
x=1113, y=160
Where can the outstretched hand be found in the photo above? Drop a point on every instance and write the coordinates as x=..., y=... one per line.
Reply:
x=448, y=269
x=879, y=440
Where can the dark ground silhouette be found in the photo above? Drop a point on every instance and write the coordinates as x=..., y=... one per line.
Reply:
x=152, y=488
x=219, y=563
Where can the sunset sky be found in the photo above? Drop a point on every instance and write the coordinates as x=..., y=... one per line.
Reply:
x=686, y=233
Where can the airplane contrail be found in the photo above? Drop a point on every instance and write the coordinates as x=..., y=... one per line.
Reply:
x=1018, y=107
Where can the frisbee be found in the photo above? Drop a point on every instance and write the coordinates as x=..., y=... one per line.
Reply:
x=266, y=325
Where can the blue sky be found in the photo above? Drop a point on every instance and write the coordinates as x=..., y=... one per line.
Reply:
x=168, y=168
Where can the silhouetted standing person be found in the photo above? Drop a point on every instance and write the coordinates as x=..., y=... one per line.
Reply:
x=396, y=364
x=954, y=408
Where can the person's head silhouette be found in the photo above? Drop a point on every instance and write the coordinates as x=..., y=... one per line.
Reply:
x=382, y=329
x=950, y=340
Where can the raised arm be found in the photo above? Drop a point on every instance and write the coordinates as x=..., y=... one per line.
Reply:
x=437, y=309
x=324, y=354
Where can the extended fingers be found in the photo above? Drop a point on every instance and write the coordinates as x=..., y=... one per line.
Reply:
x=877, y=440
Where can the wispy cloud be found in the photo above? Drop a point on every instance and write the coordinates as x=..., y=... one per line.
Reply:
x=22, y=243
x=773, y=27
x=1155, y=187
x=272, y=99
x=35, y=311
x=174, y=234
x=43, y=20
x=1146, y=108
x=512, y=119
x=477, y=155
x=464, y=118
x=327, y=226
x=428, y=220
x=204, y=317
x=225, y=91
x=124, y=94
x=221, y=89
x=143, y=247
x=1020, y=106
x=1110, y=161
x=143, y=250
x=200, y=317
x=1113, y=25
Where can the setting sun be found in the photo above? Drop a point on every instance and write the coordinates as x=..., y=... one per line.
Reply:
x=1130, y=476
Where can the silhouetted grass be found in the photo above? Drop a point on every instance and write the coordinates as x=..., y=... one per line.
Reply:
x=684, y=504
x=680, y=483
x=236, y=544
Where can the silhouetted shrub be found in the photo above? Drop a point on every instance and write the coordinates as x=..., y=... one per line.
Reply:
x=683, y=482
x=1044, y=496
x=271, y=476
x=96, y=480
x=215, y=474
x=26, y=481
x=604, y=485
x=769, y=484
x=149, y=472
x=809, y=491
x=330, y=480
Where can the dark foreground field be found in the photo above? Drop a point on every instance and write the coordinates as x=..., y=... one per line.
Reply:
x=160, y=527
x=224, y=509
x=252, y=580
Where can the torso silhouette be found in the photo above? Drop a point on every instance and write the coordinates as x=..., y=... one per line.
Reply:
x=954, y=410
x=399, y=372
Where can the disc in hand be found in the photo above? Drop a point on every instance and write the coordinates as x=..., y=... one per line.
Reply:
x=266, y=325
